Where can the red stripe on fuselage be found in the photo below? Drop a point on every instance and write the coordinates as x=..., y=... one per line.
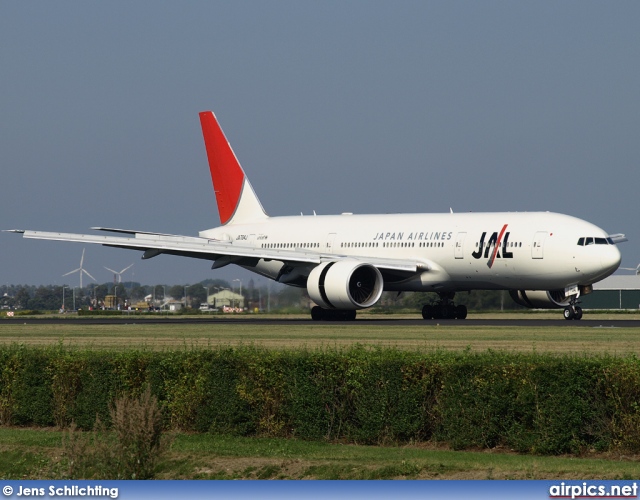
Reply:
x=498, y=243
x=226, y=173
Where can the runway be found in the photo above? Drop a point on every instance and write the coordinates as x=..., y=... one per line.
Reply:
x=593, y=322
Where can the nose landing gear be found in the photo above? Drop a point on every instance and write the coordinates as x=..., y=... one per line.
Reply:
x=572, y=312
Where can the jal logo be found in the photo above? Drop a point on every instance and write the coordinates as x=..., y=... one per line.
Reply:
x=491, y=249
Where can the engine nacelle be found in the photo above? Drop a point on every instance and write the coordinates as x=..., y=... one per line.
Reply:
x=540, y=299
x=345, y=284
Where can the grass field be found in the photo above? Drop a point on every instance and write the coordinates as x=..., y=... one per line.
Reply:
x=140, y=334
x=37, y=454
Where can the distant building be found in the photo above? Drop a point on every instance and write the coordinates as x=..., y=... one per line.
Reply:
x=110, y=301
x=226, y=298
x=620, y=291
x=174, y=306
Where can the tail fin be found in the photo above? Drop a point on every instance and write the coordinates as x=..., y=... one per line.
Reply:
x=237, y=202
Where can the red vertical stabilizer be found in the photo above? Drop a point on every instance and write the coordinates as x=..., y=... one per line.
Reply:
x=226, y=173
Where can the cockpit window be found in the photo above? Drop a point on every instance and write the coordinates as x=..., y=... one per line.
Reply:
x=598, y=241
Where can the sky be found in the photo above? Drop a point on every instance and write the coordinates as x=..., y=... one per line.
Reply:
x=333, y=106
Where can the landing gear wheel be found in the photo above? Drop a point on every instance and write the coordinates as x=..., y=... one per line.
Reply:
x=446, y=311
x=578, y=314
x=444, y=308
x=568, y=313
x=320, y=314
x=427, y=312
x=461, y=311
x=317, y=313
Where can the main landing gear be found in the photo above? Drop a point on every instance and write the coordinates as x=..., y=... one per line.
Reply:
x=445, y=308
x=320, y=314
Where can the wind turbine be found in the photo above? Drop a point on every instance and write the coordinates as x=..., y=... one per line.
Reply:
x=118, y=274
x=80, y=270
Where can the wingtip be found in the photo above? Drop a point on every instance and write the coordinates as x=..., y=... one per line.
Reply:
x=618, y=238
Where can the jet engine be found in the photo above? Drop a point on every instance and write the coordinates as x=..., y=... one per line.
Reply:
x=345, y=284
x=540, y=299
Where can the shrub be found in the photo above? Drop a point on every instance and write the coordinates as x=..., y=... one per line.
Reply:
x=130, y=450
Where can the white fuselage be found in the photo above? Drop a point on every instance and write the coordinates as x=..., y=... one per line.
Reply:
x=535, y=250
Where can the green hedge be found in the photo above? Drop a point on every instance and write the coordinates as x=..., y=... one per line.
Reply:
x=531, y=403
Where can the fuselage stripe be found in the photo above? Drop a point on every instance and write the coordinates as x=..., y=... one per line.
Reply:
x=498, y=243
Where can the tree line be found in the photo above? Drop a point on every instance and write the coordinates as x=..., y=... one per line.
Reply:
x=53, y=297
x=270, y=297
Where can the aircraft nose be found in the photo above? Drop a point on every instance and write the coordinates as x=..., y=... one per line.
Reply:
x=610, y=258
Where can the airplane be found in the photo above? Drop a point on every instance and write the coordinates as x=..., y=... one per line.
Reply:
x=544, y=260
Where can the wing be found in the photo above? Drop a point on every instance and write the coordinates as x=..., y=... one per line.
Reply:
x=618, y=238
x=220, y=252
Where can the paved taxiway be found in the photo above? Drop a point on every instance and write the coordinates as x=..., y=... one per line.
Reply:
x=595, y=322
